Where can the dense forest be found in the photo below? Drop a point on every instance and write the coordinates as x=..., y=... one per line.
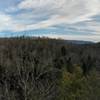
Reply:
x=48, y=69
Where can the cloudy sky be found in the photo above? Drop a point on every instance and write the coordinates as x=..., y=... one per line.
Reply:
x=67, y=19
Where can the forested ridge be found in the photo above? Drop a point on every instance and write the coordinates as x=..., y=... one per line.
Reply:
x=48, y=69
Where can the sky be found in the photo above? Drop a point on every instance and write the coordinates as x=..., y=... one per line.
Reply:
x=66, y=19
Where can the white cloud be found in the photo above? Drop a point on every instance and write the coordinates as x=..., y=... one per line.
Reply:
x=5, y=21
x=49, y=13
x=70, y=11
x=95, y=38
x=11, y=9
x=87, y=27
x=61, y=12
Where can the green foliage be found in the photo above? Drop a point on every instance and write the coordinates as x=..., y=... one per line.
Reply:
x=76, y=87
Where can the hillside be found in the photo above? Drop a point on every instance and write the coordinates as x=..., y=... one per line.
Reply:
x=49, y=69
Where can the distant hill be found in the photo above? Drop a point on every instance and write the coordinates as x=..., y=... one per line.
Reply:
x=78, y=42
